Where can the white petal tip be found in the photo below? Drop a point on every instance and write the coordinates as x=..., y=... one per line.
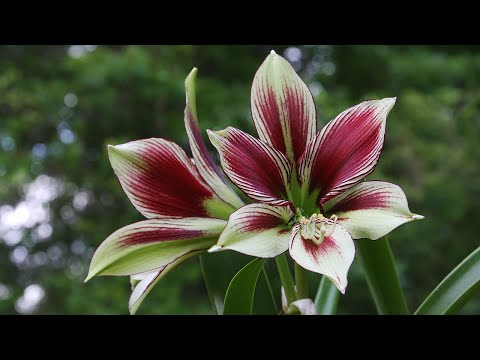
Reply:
x=115, y=149
x=418, y=217
x=273, y=52
x=215, y=248
x=388, y=102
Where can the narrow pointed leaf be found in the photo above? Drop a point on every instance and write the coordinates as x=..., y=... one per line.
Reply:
x=218, y=270
x=455, y=290
x=264, y=301
x=379, y=266
x=241, y=291
x=327, y=297
x=205, y=165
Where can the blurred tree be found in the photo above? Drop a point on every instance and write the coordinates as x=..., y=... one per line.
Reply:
x=61, y=105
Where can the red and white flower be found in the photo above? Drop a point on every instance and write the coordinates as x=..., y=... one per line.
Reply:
x=186, y=203
x=312, y=200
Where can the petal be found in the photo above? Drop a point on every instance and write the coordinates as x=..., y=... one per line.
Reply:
x=371, y=209
x=205, y=165
x=305, y=307
x=258, y=230
x=283, y=109
x=259, y=170
x=148, y=280
x=160, y=180
x=331, y=258
x=151, y=244
x=346, y=150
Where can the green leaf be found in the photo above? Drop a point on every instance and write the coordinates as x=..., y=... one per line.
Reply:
x=327, y=297
x=379, y=266
x=455, y=290
x=264, y=301
x=240, y=292
x=218, y=270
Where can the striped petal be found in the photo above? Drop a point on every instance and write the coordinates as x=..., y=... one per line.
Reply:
x=205, y=165
x=152, y=244
x=346, y=150
x=146, y=281
x=259, y=170
x=160, y=180
x=371, y=209
x=331, y=258
x=258, y=230
x=283, y=109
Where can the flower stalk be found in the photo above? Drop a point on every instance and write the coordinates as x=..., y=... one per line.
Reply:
x=301, y=282
x=380, y=270
x=286, y=278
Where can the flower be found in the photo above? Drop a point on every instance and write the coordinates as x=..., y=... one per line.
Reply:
x=186, y=203
x=312, y=200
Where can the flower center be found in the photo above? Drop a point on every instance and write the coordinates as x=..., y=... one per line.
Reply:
x=317, y=227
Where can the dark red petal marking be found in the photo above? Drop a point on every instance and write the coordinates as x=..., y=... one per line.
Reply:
x=256, y=168
x=198, y=142
x=363, y=199
x=265, y=102
x=261, y=221
x=283, y=109
x=149, y=235
x=164, y=182
x=298, y=120
x=346, y=150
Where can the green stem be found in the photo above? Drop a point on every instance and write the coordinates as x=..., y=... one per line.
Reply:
x=301, y=281
x=327, y=297
x=379, y=266
x=286, y=278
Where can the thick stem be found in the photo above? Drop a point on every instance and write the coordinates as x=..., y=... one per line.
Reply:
x=327, y=297
x=286, y=278
x=379, y=266
x=301, y=282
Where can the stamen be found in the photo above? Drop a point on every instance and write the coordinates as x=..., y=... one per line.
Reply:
x=321, y=235
x=332, y=230
x=317, y=227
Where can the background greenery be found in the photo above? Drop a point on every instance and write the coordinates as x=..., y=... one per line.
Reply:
x=61, y=105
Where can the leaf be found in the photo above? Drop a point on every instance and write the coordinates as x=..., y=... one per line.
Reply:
x=381, y=273
x=218, y=270
x=240, y=292
x=455, y=290
x=327, y=297
x=264, y=301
